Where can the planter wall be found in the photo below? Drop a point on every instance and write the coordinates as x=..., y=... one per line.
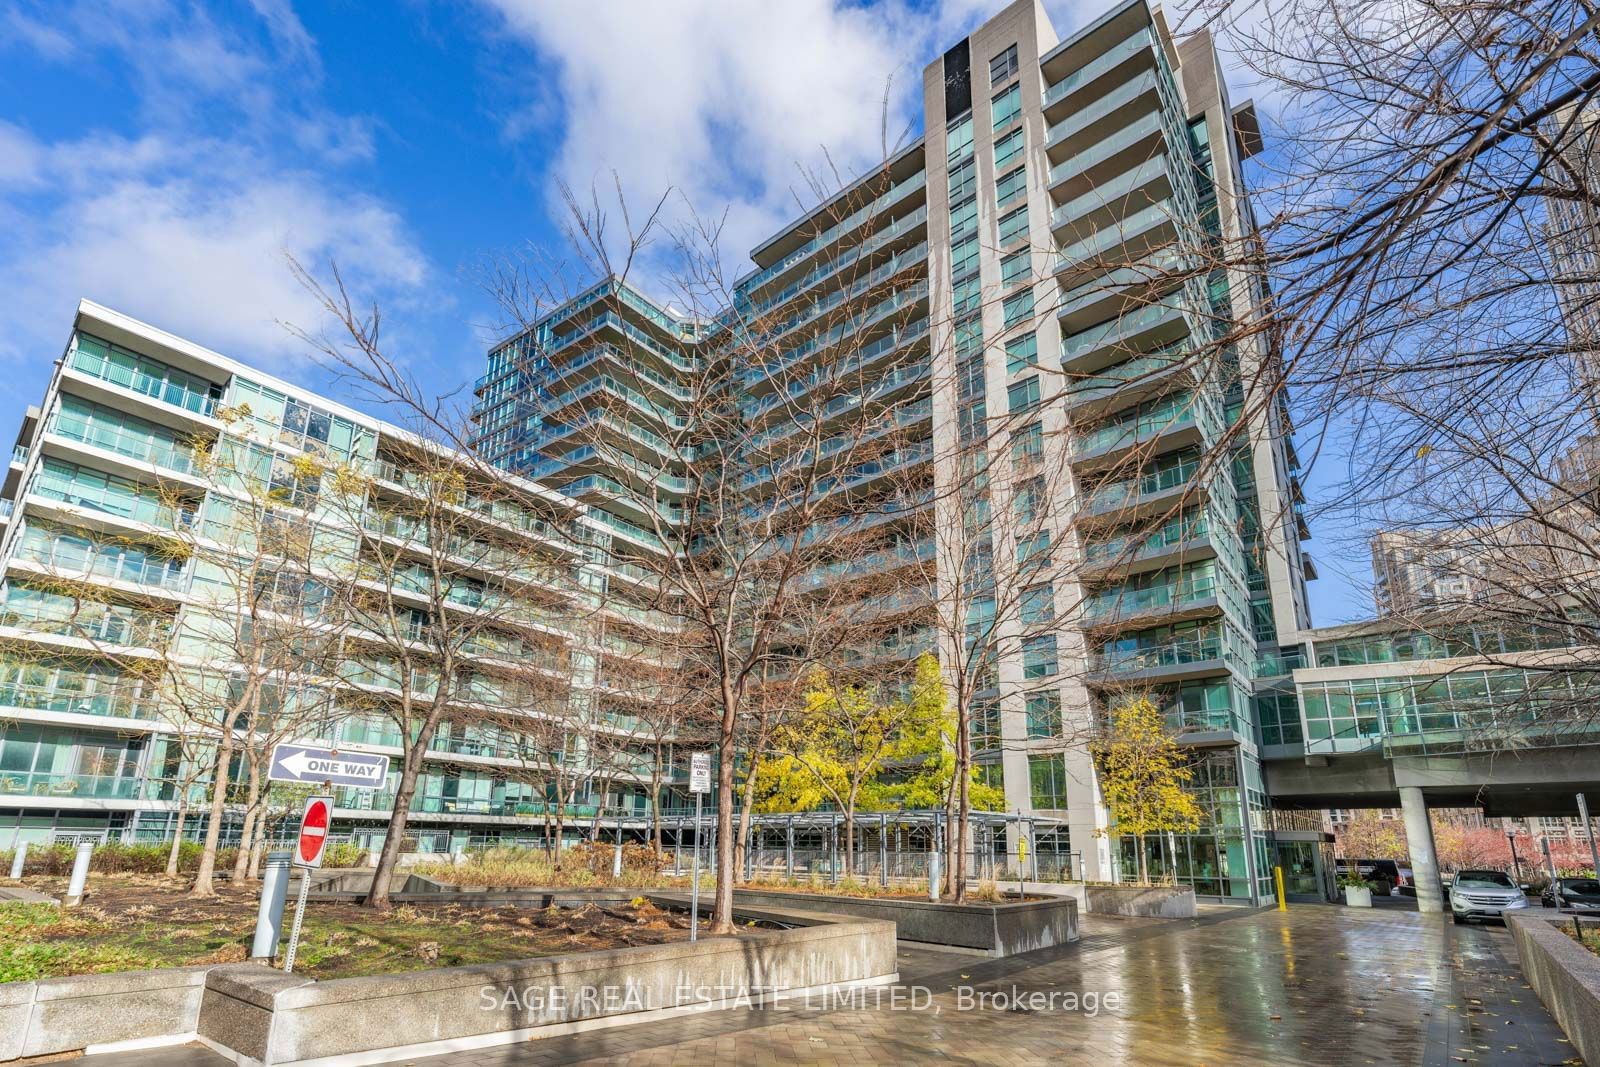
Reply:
x=55, y=1015
x=996, y=929
x=255, y=1014
x=1565, y=975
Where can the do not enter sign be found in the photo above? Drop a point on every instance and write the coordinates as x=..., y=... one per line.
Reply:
x=313, y=832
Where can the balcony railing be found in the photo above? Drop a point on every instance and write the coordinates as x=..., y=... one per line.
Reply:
x=125, y=442
x=1118, y=53
x=1125, y=602
x=123, y=703
x=1141, y=129
x=165, y=389
x=46, y=784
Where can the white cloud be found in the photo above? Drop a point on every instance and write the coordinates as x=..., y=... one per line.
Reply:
x=192, y=240
x=729, y=102
x=185, y=222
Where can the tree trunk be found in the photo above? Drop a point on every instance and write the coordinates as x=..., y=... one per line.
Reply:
x=655, y=811
x=747, y=794
x=1144, y=874
x=722, y=908
x=963, y=798
x=242, y=869
x=177, y=834
x=203, y=885
x=378, y=894
x=850, y=839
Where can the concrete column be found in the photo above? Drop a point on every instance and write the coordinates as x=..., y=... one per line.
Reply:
x=1424, y=858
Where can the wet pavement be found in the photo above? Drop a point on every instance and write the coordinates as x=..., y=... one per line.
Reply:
x=1315, y=985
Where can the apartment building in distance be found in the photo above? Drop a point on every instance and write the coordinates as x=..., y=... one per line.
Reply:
x=1032, y=279
x=121, y=573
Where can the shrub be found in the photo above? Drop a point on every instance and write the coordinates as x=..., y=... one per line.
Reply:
x=345, y=854
x=114, y=857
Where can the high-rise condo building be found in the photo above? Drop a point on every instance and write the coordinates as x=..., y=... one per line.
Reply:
x=1032, y=291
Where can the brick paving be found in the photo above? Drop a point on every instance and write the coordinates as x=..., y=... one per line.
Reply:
x=1318, y=985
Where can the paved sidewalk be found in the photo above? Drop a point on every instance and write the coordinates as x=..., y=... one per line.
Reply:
x=1318, y=985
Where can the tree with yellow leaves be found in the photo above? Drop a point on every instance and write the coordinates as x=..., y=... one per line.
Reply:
x=1142, y=776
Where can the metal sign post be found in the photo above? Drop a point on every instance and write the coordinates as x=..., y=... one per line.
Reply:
x=308, y=853
x=699, y=785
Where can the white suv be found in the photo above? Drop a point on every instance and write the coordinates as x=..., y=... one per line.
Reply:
x=1483, y=895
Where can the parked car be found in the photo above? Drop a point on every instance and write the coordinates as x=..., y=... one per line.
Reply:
x=1574, y=894
x=1483, y=895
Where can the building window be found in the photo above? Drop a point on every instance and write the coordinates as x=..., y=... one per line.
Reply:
x=1003, y=66
x=1038, y=602
x=1027, y=444
x=969, y=337
x=1008, y=149
x=1018, y=307
x=1014, y=268
x=1007, y=106
x=984, y=724
x=1039, y=656
x=963, y=220
x=1044, y=713
x=1029, y=501
x=1034, y=550
x=1023, y=395
x=958, y=140
x=1013, y=225
x=966, y=296
x=1011, y=186
x=1047, y=782
x=963, y=180
x=964, y=258
x=969, y=379
x=1022, y=353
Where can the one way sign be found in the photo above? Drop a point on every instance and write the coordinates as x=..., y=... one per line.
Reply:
x=302, y=763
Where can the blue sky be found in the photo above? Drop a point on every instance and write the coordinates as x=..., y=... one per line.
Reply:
x=161, y=156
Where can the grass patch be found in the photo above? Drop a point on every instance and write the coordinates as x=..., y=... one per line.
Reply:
x=138, y=923
x=1590, y=939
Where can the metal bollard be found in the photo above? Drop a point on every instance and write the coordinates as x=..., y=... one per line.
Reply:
x=269, y=917
x=80, y=874
x=18, y=860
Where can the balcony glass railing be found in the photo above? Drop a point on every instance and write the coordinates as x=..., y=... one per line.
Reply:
x=80, y=694
x=1179, y=653
x=1124, y=602
x=1120, y=330
x=142, y=375
x=1190, y=526
x=1102, y=106
x=47, y=784
x=81, y=557
x=1119, y=494
x=1142, y=129
x=124, y=440
x=1110, y=58
x=900, y=335
x=810, y=312
x=890, y=196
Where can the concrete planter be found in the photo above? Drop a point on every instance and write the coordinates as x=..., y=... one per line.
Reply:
x=257, y=1015
x=993, y=929
x=1357, y=897
x=100, y=1012
x=1564, y=974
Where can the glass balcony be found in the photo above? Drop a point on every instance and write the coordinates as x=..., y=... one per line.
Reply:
x=901, y=335
x=123, y=439
x=1119, y=332
x=1124, y=94
x=143, y=375
x=1116, y=378
x=890, y=196
x=1146, y=129
x=46, y=784
x=1189, y=526
x=1120, y=602
x=80, y=556
x=1113, y=246
x=1108, y=60
x=1179, y=653
x=82, y=694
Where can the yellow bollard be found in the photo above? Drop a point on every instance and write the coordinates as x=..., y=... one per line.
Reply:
x=1277, y=876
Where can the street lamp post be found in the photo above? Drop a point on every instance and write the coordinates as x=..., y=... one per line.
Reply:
x=1516, y=864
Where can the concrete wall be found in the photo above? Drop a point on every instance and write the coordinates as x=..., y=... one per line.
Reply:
x=996, y=929
x=1154, y=902
x=262, y=1015
x=57, y=1015
x=1565, y=975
